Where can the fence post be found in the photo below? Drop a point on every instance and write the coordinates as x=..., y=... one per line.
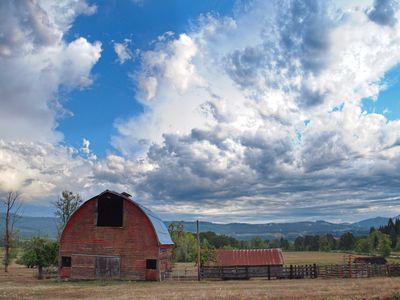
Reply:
x=269, y=272
x=315, y=275
x=291, y=272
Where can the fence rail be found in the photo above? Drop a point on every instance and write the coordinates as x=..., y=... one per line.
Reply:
x=300, y=271
x=359, y=270
x=269, y=272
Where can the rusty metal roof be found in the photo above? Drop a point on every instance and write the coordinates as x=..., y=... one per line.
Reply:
x=375, y=260
x=250, y=257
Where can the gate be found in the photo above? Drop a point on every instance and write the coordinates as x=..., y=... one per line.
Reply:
x=107, y=267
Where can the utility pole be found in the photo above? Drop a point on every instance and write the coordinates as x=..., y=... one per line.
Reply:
x=198, y=251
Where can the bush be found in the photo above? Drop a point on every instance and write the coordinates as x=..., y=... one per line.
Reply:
x=40, y=252
x=396, y=296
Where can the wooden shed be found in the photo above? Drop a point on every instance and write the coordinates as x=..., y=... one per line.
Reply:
x=373, y=260
x=243, y=264
x=110, y=236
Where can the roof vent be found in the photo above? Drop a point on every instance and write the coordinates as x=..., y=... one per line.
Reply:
x=126, y=194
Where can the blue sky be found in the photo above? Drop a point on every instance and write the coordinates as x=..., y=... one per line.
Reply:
x=113, y=94
x=226, y=111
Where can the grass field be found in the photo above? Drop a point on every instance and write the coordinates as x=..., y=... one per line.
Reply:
x=20, y=283
x=311, y=257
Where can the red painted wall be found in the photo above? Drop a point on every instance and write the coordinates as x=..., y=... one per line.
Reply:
x=133, y=243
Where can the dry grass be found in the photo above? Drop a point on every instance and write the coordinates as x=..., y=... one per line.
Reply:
x=20, y=283
x=313, y=257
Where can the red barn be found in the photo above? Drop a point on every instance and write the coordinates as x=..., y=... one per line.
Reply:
x=112, y=237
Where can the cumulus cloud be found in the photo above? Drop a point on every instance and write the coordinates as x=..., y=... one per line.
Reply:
x=260, y=115
x=252, y=117
x=383, y=12
x=123, y=52
x=36, y=63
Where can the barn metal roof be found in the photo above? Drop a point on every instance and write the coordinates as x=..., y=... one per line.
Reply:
x=159, y=227
x=251, y=257
x=161, y=230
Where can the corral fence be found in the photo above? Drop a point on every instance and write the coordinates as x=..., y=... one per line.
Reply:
x=299, y=271
x=268, y=272
x=358, y=270
x=184, y=274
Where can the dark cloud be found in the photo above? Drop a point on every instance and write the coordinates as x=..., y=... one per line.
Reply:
x=295, y=43
x=383, y=12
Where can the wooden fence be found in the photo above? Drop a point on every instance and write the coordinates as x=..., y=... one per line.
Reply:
x=268, y=272
x=358, y=270
x=186, y=274
x=301, y=271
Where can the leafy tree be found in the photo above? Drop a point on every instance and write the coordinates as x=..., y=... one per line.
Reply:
x=397, y=246
x=281, y=243
x=363, y=246
x=219, y=240
x=41, y=253
x=384, y=246
x=207, y=253
x=311, y=242
x=324, y=244
x=347, y=241
x=299, y=243
x=65, y=207
x=392, y=229
x=185, y=244
x=258, y=243
x=374, y=237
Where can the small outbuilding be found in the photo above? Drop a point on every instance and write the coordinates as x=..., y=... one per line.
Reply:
x=244, y=264
x=373, y=260
x=110, y=236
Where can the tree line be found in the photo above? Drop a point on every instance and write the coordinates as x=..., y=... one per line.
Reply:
x=381, y=241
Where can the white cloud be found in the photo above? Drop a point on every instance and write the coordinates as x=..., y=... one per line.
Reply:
x=123, y=52
x=38, y=64
x=226, y=106
x=256, y=116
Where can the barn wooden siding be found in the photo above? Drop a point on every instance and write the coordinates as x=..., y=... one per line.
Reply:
x=113, y=252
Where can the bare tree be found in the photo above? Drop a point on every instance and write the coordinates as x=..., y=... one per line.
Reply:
x=65, y=207
x=12, y=207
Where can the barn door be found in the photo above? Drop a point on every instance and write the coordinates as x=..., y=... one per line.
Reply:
x=107, y=267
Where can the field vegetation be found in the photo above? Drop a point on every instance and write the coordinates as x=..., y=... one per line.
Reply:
x=21, y=283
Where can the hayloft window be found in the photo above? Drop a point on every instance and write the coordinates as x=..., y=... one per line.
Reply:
x=151, y=264
x=66, y=261
x=109, y=211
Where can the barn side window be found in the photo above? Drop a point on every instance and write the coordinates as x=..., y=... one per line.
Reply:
x=151, y=264
x=65, y=261
x=109, y=212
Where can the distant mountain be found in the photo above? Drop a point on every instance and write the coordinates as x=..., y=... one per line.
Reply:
x=244, y=231
x=32, y=226
x=46, y=226
x=374, y=222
